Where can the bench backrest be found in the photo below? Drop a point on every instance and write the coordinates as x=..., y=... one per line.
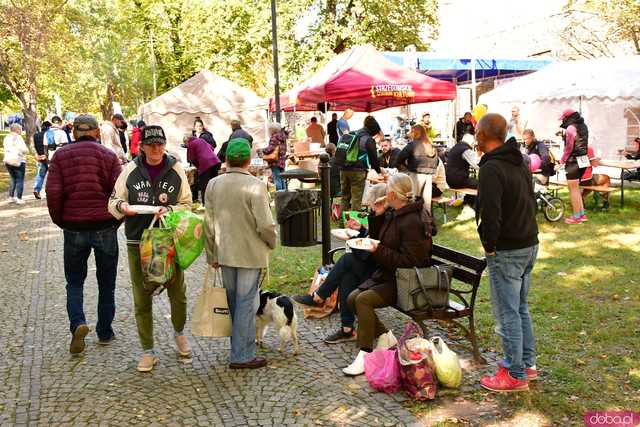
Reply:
x=467, y=268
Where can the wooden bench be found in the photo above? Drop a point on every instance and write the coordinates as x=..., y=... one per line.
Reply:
x=441, y=202
x=466, y=191
x=467, y=272
x=597, y=189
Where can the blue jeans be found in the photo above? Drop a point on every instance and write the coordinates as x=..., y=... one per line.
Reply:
x=16, y=188
x=277, y=180
x=77, y=248
x=242, y=293
x=43, y=167
x=346, y=275
x=509, y=282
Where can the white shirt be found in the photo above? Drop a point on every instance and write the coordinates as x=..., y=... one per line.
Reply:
x=15, y=150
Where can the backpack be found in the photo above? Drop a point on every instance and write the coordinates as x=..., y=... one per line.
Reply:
x=347, y=149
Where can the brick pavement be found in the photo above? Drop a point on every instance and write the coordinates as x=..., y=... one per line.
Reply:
x=44, y=385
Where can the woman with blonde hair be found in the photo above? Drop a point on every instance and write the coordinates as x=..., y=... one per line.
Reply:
x=420, y=158
x=15, y=159
x=405, y=242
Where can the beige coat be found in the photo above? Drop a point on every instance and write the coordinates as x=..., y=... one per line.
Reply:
x=111, y=139
x=240, y=230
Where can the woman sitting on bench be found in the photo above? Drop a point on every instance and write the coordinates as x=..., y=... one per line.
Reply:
x=348, y=272
x=398, y=223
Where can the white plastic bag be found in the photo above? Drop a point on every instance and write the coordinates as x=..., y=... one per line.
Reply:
x=448, y=369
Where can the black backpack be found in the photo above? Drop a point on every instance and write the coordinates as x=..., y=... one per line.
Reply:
x=347, y=149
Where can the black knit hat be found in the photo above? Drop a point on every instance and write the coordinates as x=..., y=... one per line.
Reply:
x=372, y=125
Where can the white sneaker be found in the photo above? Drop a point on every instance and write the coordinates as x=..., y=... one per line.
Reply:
x=386, y=341
x=20, y=201
x=357, y=367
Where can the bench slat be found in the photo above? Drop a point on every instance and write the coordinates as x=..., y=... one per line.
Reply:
x=459, y=258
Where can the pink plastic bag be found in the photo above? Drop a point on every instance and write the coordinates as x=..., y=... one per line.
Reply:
x=382, y=370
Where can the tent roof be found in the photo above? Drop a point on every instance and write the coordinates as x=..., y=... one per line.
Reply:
x=205, y=93
x=604, y=78
x=459, y=69
x=363, y=79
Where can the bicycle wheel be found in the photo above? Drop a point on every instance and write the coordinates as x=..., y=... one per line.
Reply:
x=553, y=209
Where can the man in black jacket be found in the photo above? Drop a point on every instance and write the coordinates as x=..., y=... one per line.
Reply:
x=463, y=126
x=332, y=129
x=354, y=175
x=389, y=156
x=41, y=157
x=506, y=218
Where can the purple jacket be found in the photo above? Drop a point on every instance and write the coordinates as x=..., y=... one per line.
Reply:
x=201, y=155
x=81, y=179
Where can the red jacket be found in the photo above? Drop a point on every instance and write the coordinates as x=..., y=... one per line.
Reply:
x=136, y=136
x=81, y=179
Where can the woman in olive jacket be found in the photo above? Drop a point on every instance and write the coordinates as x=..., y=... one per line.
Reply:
x=405, y=242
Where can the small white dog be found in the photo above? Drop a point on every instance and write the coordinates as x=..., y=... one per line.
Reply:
x=277, y=309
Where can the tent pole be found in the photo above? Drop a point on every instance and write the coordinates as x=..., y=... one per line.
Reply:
x=326, y=120
x=473, y=82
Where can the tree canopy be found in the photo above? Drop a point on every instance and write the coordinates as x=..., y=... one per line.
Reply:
x=94, y=52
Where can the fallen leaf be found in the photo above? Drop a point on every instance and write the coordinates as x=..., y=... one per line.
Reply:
x=580, y=362
x=23, y=235
x=574, y=398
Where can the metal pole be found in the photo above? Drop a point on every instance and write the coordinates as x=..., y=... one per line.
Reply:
x=473, y=82
x=274, y=39
x=325, y=179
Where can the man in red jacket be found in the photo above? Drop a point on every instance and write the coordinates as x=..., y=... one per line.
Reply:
x=81, y=179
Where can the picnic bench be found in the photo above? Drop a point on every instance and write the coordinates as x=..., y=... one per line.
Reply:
x=467, y=272
x=623, y=166
x=597, y=189
x=441, y=202
x=465, y=191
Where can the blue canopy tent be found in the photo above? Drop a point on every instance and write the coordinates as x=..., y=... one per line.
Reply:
x=460, y=70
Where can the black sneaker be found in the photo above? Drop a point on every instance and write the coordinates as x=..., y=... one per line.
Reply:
x=107, y=341
x=306, y=300
x=340, y=336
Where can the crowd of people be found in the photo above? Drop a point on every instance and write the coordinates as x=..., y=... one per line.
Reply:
x=98, y=176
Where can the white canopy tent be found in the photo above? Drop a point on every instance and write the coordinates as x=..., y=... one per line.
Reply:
x=215, y=100
x=606, y=91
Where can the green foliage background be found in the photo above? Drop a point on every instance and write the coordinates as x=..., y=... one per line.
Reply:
x=97, y=51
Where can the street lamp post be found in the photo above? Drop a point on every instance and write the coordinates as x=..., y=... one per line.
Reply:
x=274, y=36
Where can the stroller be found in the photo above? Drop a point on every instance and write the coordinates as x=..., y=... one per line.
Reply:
x=552, y=207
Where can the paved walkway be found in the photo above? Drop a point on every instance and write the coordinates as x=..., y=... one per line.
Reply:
x=43, y=385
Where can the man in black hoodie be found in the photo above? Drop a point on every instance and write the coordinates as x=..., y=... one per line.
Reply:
x=354, y=175
x=506, y=218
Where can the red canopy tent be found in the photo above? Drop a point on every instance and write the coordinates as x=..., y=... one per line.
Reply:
x=363, y=79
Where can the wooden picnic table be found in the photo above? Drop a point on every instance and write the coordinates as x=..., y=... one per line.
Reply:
x=623, y=165
x=303, y=154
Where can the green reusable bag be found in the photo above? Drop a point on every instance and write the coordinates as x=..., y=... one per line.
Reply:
x=157, y=256
x=188, y=235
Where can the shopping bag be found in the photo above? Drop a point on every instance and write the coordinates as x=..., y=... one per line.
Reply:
x=211, y=316
x=448, y=369
x=329, y=304
x=157, y=256
x=382, y=369
x=188, y=235
x=417, y=369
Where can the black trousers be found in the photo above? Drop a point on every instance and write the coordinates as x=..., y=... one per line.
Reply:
x=205, y=177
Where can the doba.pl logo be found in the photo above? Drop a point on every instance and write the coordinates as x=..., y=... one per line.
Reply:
x=612, y=419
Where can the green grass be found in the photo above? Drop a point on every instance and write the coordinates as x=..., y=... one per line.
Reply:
x=585, y=304
x=4, y=175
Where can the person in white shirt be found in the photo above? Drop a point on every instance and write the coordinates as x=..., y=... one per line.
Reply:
x=15, y=159
x=110, y=137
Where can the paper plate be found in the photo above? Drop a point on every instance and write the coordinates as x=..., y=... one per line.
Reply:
x=363, y=243
x=144, y=209
x=344, y=233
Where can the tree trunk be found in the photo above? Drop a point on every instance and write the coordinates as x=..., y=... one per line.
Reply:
x=106, y=107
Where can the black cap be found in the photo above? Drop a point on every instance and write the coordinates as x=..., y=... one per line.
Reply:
x=117, y=116
x=153, y=134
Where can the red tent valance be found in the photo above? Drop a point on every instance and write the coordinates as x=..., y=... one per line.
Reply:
x=363, y=79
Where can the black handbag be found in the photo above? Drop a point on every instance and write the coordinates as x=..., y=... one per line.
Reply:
x=423, y=288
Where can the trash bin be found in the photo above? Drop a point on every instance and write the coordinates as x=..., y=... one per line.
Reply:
x=298, y=214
